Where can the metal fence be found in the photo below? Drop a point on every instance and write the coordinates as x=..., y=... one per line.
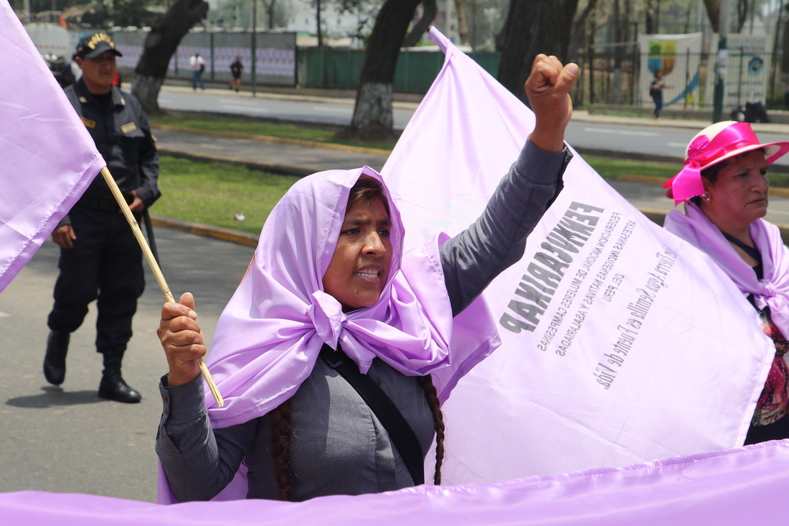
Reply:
x=615, y=75
x=275, y=55
x=621, y=77
x=340, y=68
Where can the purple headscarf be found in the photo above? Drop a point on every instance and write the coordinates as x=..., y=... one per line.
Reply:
x=271, y=332
x=773, y=290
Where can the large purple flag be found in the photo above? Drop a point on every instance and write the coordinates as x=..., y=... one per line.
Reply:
x=740, y=486
x=621, y=343
x=48, y=157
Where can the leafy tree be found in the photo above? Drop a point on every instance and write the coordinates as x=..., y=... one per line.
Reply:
x=238, y=13
x=160, y=44
x=429, y=11
x=460, y=6
x=485, y=20
x=136, y=13
x=372, y=114
x=533, y=27
x=741, y=9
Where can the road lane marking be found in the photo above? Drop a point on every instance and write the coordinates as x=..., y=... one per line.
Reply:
x=245, y=108
x=327, y=109
x=4, y=315
x=237, y=101
x=621, y=132
x=677, y=144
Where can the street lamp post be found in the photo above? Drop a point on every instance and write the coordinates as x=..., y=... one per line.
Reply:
x=720, y=62
x=254, y=44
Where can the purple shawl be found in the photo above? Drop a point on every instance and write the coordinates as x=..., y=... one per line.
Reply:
x=271, y=332
x=773, y=290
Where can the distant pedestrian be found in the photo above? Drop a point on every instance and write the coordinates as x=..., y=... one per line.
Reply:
x=62, y=71
x=197, y=64
x=656, y=92
x=236, y=68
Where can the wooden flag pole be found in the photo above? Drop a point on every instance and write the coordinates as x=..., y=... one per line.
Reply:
x=146, y=250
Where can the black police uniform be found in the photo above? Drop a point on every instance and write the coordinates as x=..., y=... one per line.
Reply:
x=105, y=262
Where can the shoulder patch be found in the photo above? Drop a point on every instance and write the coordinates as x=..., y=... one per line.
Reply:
x=128, y=128
x=89, y=123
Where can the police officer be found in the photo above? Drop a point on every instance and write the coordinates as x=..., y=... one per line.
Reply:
x=99, y=257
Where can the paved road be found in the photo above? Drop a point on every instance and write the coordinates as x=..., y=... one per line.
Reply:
x=279, y=157
x=630, y=135
x=69, y=440
x=290, y=107
x=301, y=160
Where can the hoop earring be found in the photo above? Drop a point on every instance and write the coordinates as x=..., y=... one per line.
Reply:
x=705, y=197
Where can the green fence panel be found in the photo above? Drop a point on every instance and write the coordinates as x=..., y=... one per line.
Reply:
x=416, y=70
x=332, y=68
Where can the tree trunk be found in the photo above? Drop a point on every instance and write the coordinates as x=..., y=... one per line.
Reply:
x=742, y=14
x=785, y=55
x=713, y=12
x=578, y=36
x=318, y=24
x=270, y=12
x=460, y=6
x=533, y=27
x=429, y=11
x=160, y=44
x=372, y=114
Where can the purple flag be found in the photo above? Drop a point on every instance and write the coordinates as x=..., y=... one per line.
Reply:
x=49, y=159
x=740, y=486
x=621, y=343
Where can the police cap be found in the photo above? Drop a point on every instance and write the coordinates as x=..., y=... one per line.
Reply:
x=91, y=46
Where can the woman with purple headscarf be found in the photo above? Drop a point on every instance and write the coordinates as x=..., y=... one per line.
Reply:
x=724, y=182
x=329, y=283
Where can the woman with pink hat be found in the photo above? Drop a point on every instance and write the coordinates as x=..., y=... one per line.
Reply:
x=724, y=186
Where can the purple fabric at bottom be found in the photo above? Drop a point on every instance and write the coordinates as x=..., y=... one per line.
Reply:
x=739, y=486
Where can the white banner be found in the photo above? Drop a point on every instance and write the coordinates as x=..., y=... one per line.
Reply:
x=746, y=72
x=622, y=343
x=679, y=58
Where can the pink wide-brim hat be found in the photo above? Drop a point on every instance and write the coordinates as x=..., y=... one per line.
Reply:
x=712, y=145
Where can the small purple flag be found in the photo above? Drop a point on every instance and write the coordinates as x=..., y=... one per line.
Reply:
x=48, y=157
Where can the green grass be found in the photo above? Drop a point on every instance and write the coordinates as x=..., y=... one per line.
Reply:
x=212, y=193
x=248, y=126
x=614, y=168
x=241, y=125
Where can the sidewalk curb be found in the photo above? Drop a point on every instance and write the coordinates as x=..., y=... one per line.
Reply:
x=200, y=229
x=274, y=140
x=653, y=157
x=648, y=179
x=278, y=169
